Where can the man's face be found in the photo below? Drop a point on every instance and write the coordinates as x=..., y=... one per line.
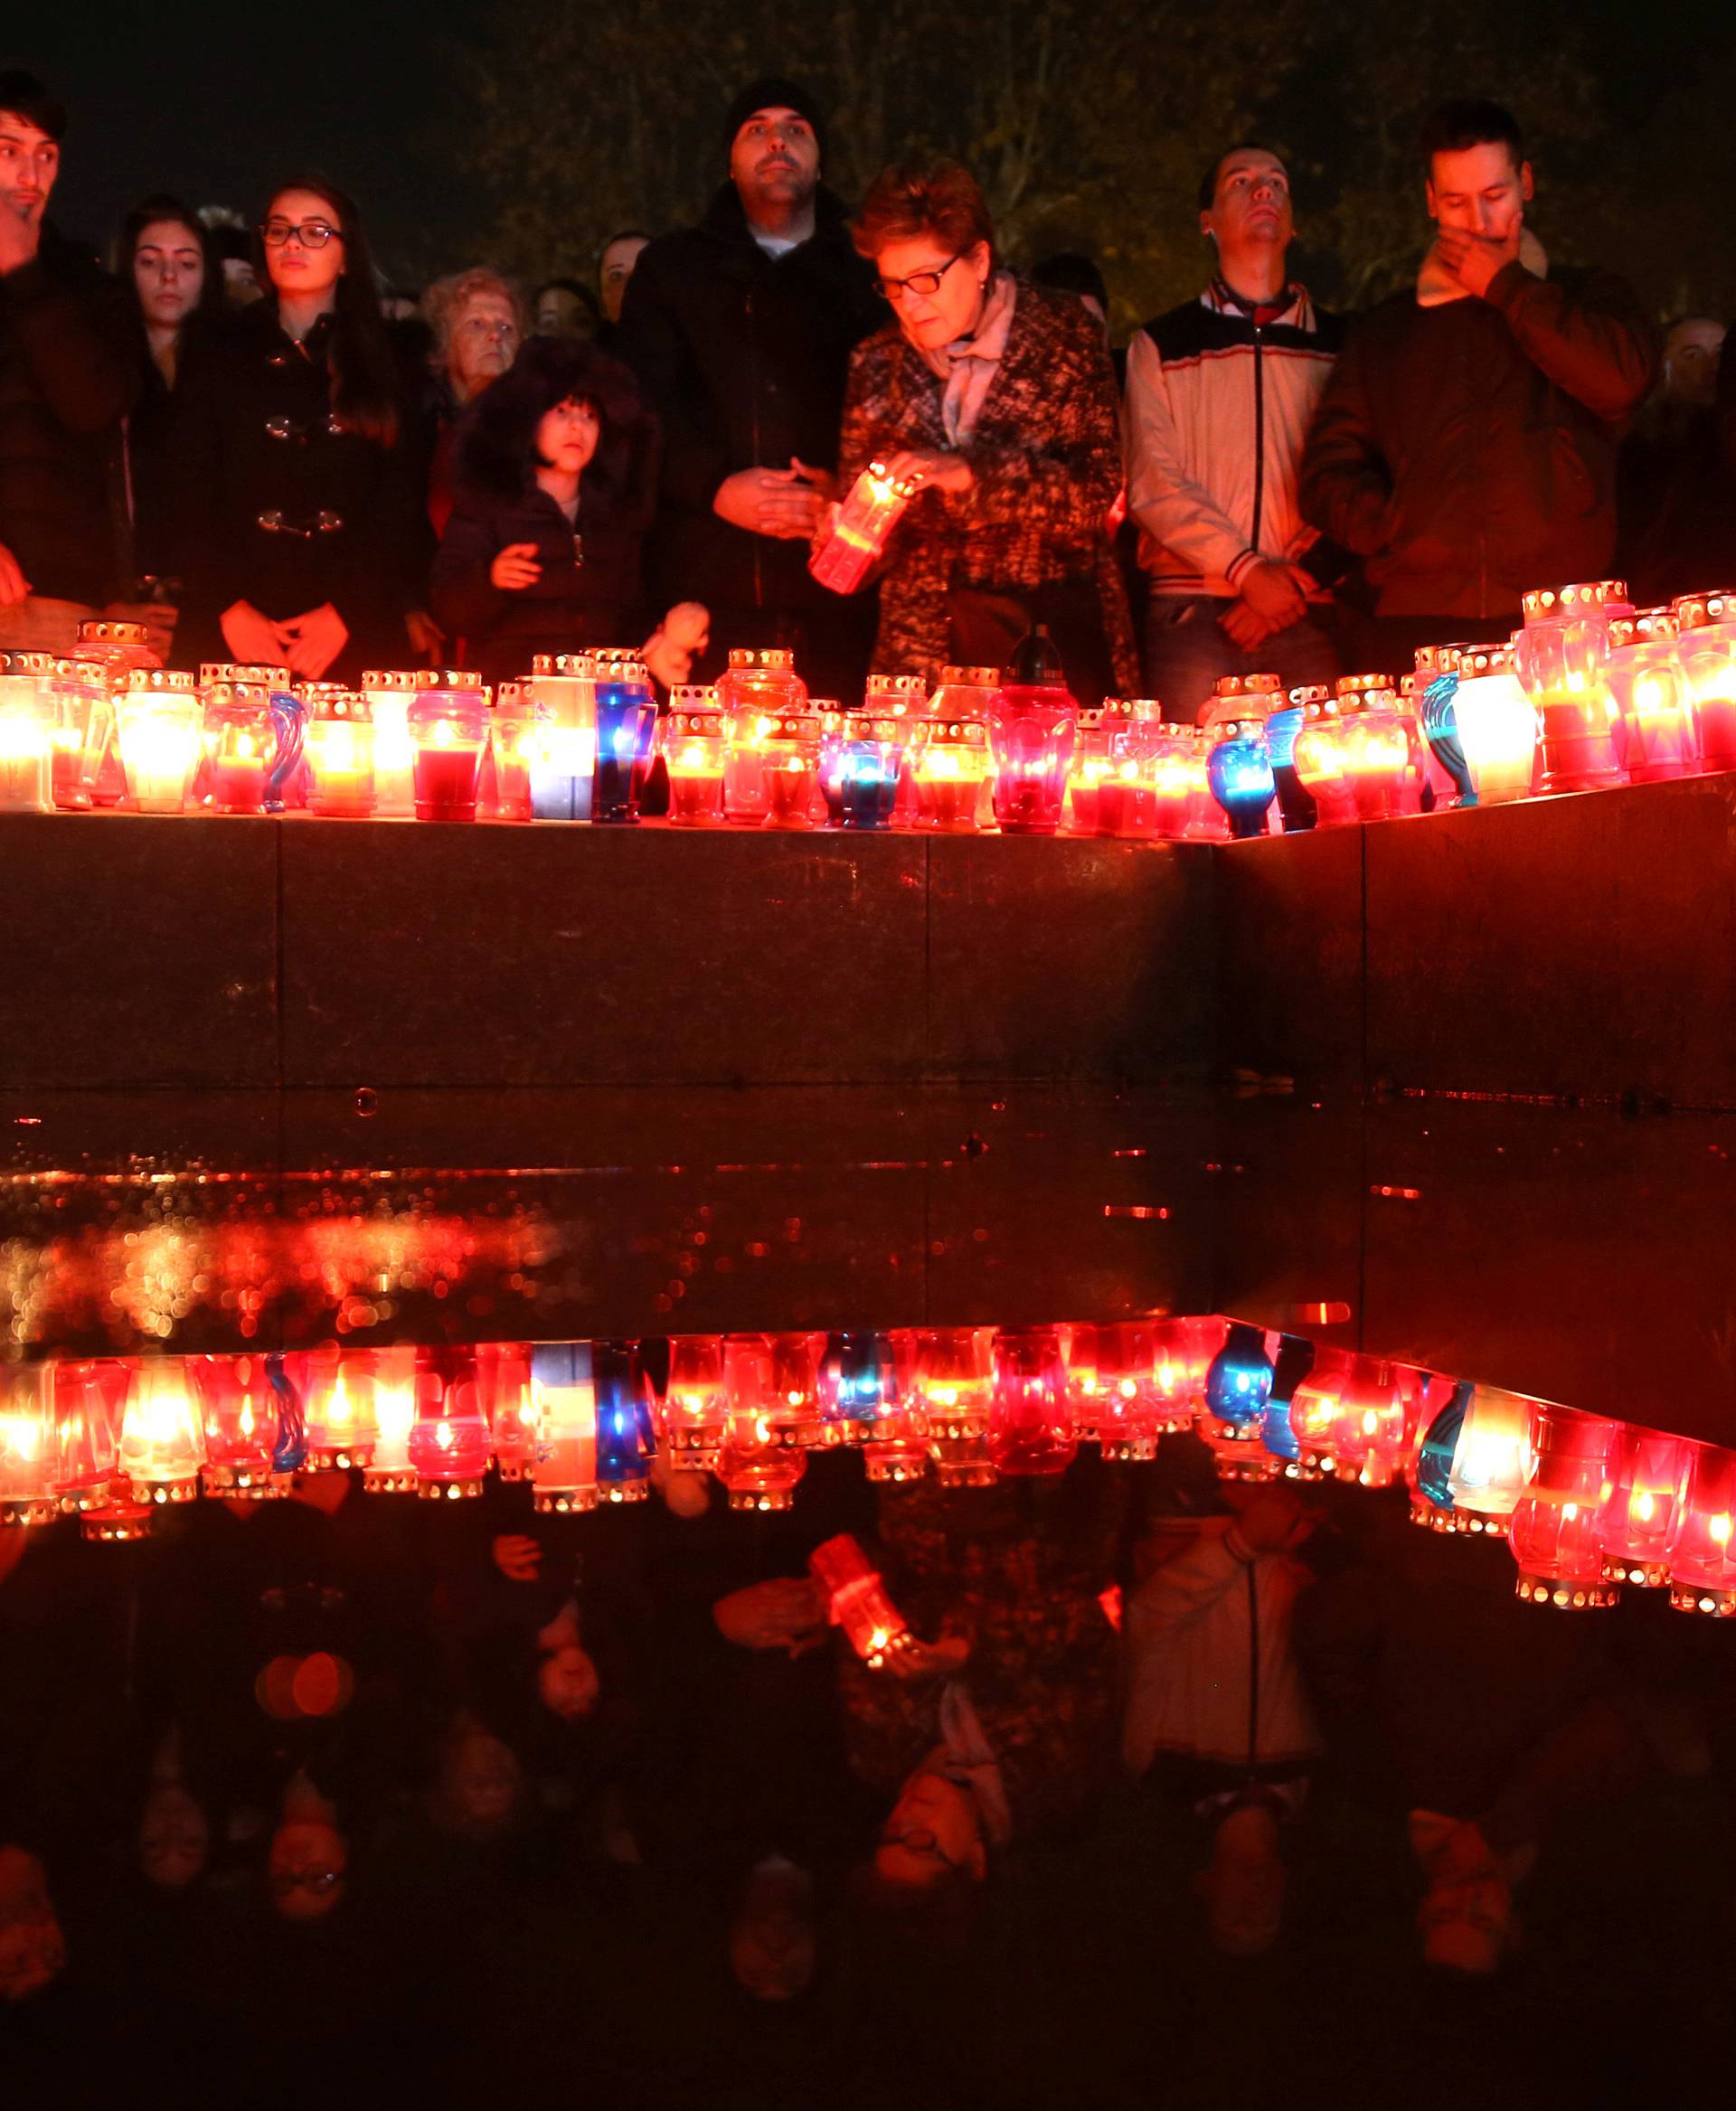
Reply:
x=615, y=270
x=29, y=162
x=1479, y=189
x=1251, y=205
x=775, y=159
x=1691, y=356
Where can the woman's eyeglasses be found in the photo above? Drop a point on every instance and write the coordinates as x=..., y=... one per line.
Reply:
x=918, y=282
x=312, y=234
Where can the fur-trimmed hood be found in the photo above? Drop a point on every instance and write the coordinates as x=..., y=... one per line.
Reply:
x=494, y=456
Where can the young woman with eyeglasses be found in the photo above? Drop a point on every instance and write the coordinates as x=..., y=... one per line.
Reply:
x=300, y=531
x=995, y=400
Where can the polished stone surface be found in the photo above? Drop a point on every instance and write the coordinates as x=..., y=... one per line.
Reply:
x=137, y=949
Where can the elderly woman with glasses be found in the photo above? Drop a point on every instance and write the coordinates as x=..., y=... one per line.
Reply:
x=297, y=510
x=995, y=401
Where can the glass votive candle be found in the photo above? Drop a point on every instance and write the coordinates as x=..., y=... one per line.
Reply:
x=1318, y=753
x=1655, y=734
x=1086, y=771
x=690, y=736
x=1374, y=744
x=1561, y=656
x=27, y=720
x=1243, y=697
x=340, y=756
x=1706, y=652
x=390, y=692
x=860, y=769
x=1496, y=722
x=1126, y=795
x=514, y=731
x=84, y=727
x=758, y=690
x=1031, y=733
x=787, y=752
x=564, y=773
x=158, y=722
x=949, y=768
x=1239, y=770
x=627, y=725
x=1435, y=684
x=450, y=728
x=241, y=744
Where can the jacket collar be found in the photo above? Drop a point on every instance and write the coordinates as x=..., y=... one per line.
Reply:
x=726, y=219
x=1295, y=307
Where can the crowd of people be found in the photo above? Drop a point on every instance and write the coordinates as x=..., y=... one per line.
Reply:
x=277, y=460
x=340, y=1770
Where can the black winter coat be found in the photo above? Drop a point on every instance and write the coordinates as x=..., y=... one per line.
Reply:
x=65, y=382
x=1468, y=451
x=744, y=357
x=254, y=442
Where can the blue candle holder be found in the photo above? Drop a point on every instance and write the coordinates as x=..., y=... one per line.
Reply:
x=289, y=1450
x=859, y=773
x=626, y=1433
x=1439, y=1444
x=1440, y=724
x=1295, y=804
x=627, y=723
x=1239, y=1379
x=289, y=724
x=1239, y=770
x=864, y=1379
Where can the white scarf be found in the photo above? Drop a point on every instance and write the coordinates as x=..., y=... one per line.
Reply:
x=968, y=365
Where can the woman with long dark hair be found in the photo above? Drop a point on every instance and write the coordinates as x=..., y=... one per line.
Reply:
x=555, y=485
x=164, y=261
x=297, y=515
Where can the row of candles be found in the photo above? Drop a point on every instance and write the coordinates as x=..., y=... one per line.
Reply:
x=1588, y=1504
x=1589, y=693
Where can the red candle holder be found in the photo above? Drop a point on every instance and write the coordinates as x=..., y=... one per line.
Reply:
x=1555, y=1529
x=1655, y=734
x=90, y=1400
x=693, y=739
x=1561, y=654
x=1706, y=654
x=450, y=730
x=162, y=1438
x=852, y=547
x=29, y=1446
x=856, y=1600
x=238, y=1412
x=241, y=745
x=1702, y=1556
x=1030, y=735
x=787, y=753
x=1382, y=756
x=695, y=1401
x=450, y=1443
x=949, y=765
x=84, y=730
x=1647, y=1486
x=1031, y=1422
x=758, y=690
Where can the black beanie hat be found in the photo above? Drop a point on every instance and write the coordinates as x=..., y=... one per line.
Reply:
x=773, y=94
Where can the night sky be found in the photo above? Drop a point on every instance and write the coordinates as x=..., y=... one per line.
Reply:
x=215, y=100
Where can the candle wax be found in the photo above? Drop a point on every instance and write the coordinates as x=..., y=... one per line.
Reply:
x=446, y=783
x=238, y=784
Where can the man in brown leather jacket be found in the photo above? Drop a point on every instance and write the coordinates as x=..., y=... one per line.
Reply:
x=1466, y=444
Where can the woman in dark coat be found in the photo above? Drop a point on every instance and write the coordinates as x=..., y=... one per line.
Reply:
x=996, y=401
x=174, y=287
x=297, y=521
x=555, y=483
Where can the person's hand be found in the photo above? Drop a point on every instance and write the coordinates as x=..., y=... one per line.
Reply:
x=689, y=624
x=923, y=468
x=944, y=1659
x=517, y=1556
x=820, y=480
x=515, y=568
x=313, y=640
x=253, y=638
x=787, y=1612
x=1271, y=592
x=778, y=503
x=1475, y=259
x=13, y=585
x=426, y=637
x=1244, y=628
x=667, y=662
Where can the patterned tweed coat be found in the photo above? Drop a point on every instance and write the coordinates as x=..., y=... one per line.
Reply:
x=1046, y=452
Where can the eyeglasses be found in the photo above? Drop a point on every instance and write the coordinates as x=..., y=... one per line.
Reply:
x=312, y=234
x=918, y=282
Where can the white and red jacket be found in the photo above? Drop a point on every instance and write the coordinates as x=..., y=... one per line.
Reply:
x=1219, y=399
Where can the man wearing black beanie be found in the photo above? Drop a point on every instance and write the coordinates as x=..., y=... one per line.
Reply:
x=741, y=329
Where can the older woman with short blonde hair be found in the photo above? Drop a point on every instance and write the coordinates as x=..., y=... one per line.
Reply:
x=479, y=320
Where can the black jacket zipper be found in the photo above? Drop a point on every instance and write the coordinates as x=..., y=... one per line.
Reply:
x=1259, y=441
